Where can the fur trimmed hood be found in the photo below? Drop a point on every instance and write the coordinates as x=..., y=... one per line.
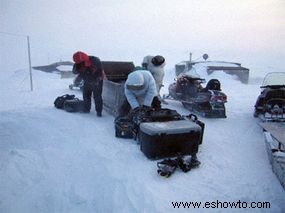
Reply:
x=80, y=57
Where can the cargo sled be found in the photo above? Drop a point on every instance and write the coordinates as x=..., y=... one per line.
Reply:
x=113, y=86
x=209, y=67
x=208, y=102
x=270, y=104
x=274, y=134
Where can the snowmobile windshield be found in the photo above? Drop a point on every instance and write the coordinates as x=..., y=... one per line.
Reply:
x=274, y=79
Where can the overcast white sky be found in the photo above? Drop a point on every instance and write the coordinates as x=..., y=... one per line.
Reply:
x=248, y=31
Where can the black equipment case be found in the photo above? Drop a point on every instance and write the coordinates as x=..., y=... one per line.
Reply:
x=124, y=128
x=168, y=139
x=194, y=118
x=74, y=105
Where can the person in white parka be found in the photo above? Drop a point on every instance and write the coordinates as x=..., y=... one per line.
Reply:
x=140, y=91
x=155, y=64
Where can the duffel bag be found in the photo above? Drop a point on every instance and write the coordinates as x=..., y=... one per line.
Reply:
x=164, y=114
x=157, y=115
x=59, y=101
x=74, y=105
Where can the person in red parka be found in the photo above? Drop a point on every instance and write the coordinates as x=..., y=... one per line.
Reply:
x=89, y=68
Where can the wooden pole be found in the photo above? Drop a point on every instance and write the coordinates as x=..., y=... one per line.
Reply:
x=30, y=64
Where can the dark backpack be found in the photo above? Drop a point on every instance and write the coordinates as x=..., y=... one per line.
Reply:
x=59, y=101
x=124, y=127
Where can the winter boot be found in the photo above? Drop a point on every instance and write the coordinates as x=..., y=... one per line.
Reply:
x=194, y=161
x=167, y=167
x=184, y=163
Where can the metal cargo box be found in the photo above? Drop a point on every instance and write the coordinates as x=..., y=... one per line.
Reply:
x=113, y=87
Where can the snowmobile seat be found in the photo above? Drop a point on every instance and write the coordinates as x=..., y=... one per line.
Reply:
x=213, y=84
x=270, y=94
x=191, y=90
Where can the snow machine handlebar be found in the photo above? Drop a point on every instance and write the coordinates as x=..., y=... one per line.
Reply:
x=202, y=80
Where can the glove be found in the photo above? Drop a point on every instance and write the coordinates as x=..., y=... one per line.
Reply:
x=138, y=113
x=146, y=108
x=134, y=111
x=156, y=103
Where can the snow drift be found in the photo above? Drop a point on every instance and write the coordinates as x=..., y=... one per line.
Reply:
x=54, y=161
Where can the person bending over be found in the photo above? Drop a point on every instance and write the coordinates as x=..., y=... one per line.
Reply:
x=89, y=68
x=140, y=91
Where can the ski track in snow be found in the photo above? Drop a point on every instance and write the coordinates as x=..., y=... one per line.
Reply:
x=54, y=161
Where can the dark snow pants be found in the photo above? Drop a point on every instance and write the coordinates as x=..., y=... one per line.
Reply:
x=95, y=88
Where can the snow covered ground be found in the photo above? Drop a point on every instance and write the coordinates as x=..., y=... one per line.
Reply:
x=54, y=161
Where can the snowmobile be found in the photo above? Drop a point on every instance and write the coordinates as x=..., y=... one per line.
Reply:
x=270, y=108
x=270, y=104
x=77, y=83
x=208, y=102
